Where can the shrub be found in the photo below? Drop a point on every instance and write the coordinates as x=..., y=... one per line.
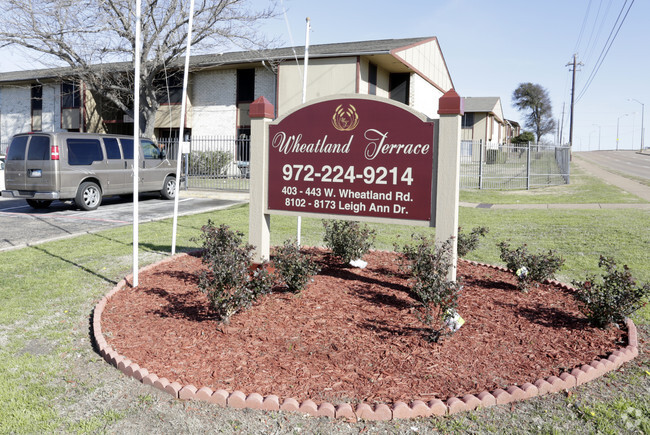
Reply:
x=436, y=296
x=295, y=268
x=469, y=242
x=530, y=267
x=616, y=296
x=227, y=281
x=348, y=240
x=210, y=162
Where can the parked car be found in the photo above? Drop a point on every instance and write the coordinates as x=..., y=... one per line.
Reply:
x=43, y=167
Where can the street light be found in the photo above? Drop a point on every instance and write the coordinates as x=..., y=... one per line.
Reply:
x=617, y=127
x=596, y=125
x=642, y=116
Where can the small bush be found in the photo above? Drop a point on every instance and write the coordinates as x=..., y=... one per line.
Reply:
x=295, y=268
x=530, y=267
x=348, y=240
x=437, y=297
x=227, y=280
x=611, y=299
x=210, y=162
x=469, y=242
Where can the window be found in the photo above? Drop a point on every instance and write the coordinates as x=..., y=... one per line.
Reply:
x=127, y=148
x=398, y=86
x=468, y=120
x=17, y=148
x=112, y=149
x=39, y=148
x=150, y=150
x=372, y=79
x=70, y=96
x=170, y=90
x=37, y=107
x=245, y=85
x=84, y=151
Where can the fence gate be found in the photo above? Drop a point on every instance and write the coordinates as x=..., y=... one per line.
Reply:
x=214, y=162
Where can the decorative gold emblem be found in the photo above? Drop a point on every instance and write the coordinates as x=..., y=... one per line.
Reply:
x=345, y=118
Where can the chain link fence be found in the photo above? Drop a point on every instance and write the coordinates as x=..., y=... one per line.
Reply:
x=521, y=166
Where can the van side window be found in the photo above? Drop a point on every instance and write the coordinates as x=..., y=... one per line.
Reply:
x=39, y=148
x=127, y=148
x=150, y=150
x=112, y=149
x=17, y=148
x=84, y=151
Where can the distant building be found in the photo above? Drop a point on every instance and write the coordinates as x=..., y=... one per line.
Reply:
x=222, y=86
x=483, y=120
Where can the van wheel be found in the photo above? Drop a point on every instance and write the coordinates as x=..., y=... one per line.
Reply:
x=169, y=188
x=89, y=196
x=39, y=203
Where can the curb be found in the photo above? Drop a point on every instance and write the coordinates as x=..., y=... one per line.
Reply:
x=363, y=411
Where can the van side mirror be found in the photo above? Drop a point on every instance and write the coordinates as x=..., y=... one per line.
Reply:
x=163, y=154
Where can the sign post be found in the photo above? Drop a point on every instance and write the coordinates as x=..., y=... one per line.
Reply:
x=259, y=223
x=451, y=111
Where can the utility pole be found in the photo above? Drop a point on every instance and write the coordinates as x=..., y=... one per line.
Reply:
x=574, y=66
x=562, y=125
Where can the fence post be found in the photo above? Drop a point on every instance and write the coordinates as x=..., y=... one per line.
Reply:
x=480, y=164
x=186, y=156
x=528, y=168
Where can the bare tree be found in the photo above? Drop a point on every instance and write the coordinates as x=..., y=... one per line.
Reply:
x=534, y=98
x=95, y=39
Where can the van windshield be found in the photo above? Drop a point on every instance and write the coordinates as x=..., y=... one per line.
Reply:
x=17, y=148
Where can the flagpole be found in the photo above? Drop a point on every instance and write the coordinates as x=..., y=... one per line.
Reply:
x=182, y=126
x=136, y=140
x=304, y=98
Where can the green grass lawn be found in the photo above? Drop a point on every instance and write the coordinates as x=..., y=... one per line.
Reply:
x=49, y=290
x=583, y=189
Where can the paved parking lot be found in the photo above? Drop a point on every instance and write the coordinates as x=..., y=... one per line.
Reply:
x=21, y=225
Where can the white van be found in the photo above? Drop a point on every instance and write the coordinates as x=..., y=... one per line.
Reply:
x=43, y=167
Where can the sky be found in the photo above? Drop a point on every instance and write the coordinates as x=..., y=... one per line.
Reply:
x=490, y=47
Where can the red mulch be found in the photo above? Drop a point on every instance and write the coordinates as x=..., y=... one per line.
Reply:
x=351, y=335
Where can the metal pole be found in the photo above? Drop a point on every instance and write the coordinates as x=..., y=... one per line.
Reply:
x=304, y=98
x=182, y=125
x=528, y=168
x=642, y=121
x=618, y=123
x=480, y=164
x=136, y=140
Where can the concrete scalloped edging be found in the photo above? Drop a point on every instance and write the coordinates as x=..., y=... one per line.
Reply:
x=398, y=410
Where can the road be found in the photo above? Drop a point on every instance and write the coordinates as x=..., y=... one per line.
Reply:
x=625, y=162
x=21, y=225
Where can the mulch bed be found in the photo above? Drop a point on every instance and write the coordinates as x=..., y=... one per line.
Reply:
x=352, y=335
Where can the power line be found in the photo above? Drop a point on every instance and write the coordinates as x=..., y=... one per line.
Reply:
x=582, y=28
x=608, y=44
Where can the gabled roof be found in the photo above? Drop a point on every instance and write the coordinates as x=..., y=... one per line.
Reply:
x=383, y=46
x=490, y=105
